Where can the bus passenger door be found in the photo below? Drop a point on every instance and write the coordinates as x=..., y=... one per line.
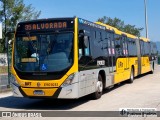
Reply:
x=125, y=52
x=142, y=57
x=126, y=59
x=86, y=74
x=111, y=51
x=139, y=55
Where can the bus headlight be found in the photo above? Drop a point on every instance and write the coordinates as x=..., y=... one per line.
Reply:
x=69, y=80
x=13, y=80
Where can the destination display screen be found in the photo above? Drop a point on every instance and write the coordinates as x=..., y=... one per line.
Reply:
x=45, y=25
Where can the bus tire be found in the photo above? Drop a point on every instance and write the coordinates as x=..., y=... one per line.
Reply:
x=152, y=69
x=131, y=76
x=99, y=88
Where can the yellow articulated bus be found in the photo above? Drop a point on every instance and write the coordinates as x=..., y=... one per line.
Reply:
x=67, y=58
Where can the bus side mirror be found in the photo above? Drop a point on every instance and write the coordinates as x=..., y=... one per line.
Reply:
x=86, y=41
x=8, y=39
x=8, y=42
x=83, y=42
x=83, y=39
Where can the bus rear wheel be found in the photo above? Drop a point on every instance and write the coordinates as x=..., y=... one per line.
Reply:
x=131, y=76
x=99, y=88
x=152, y=69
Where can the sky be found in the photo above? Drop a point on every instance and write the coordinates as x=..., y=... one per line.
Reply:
x=130, y=11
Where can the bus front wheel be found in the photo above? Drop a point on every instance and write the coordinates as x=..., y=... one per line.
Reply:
x=99, y=88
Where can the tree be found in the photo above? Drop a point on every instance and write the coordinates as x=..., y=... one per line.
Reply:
x=12, y=12
x=119, y=24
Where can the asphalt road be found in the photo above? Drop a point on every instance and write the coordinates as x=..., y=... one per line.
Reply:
x=143, y=93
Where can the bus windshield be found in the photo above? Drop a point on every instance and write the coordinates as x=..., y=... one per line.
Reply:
x=43, y=52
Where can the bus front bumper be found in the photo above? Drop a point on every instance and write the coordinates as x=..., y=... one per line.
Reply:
x=68, y=92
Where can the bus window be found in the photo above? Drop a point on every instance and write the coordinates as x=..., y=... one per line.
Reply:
x=118, y=46
x=132, y=49
x=84, y=49
x=87, y=51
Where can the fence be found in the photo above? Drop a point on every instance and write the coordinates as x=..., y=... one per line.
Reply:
x=3, y=59
x=4, y=83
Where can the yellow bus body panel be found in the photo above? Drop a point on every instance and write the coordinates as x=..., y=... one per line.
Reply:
x=145, y=65
x=123, y=69
x=47, y=92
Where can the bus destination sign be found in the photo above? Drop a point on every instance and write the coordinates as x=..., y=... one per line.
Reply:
x=45, y=25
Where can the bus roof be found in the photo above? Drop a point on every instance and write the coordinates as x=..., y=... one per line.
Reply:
x=108, y=27
x=144, y=39
x=129, y=35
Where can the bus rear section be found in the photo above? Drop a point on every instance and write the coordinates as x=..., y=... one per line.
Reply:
x=148, y=51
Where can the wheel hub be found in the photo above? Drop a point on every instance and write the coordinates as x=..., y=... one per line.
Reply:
x=99, y=86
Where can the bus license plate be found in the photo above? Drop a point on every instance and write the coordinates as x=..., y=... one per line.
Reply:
x=38, y=92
